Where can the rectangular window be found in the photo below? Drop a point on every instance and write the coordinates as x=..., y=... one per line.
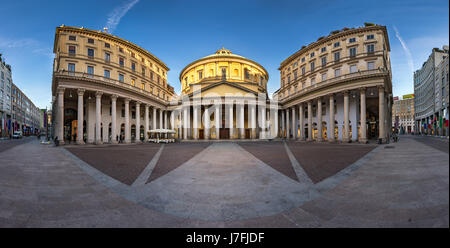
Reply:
x=289, y=79
x=351, y=40
x=133, y=82
x=90, y=52
x=133, y=55
x=107, y=45
x=120, y=49
x=72, y=37
x=337, y=72
x=91, y=41
x=370, y=48
x=142, y=86
x=71, y=67
x=143, y=71
x=200, y=74
x=313, y=81
x=337, y=44
x=324, y=77
x=370, y=65
x=121, y=62
x=324, y=61
x=303, y=70
x=352, y=52
x=312, y=54
x=295, y=75
x=303, y=59
x=107, y=74
x=133, y=66
x=72, y=50
x=90, y=71
x=352, y=68
x=121, y=78
x=337, y=56
x=312, y=66
x=107, y=57
x=370, y=37
x=323, y=49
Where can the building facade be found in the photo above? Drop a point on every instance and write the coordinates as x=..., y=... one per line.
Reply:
x=430, y=91
x=224, y=96
x=25, y=116
x=403, y=114
x=338, y=87
x=5, y=98
x=105, y=88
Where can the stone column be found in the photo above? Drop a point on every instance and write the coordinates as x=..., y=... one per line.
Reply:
x=195, y=122
x=294, y=124
x=138, y=122
x=345, y=137
x=127, y=121
x=80, y=117
x=363, y=138
x=241, y=121
x=282, y=124
x=231, y=123
x=310, y=127
x=154, y=118
x=60, y=117
x=381, y=126
x=263, y=121
x=217, y=118
x=319, y=119
x=330, y=132
x=206, y=120
x=253, y=120
x=166, y=126
x=288, y=127
x=160, y=119
x=113, y=119
x=301, y=121
x=98, y=117
x=185, y=122
x=146, y=122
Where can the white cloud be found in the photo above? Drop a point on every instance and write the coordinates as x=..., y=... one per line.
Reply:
x=117, y=14
x=406, y=49
x=19, y=43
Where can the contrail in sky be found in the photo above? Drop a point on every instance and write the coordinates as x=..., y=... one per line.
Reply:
x=115, y=15
x=406, y=49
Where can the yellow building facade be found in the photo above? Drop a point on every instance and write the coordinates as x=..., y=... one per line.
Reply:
x=222, y=91
x=105, y=88
x=338, y=87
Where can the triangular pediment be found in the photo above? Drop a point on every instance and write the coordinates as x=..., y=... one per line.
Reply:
x=223, y=88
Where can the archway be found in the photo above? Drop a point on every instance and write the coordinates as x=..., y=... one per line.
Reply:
x=133, y=132
x=141, y=133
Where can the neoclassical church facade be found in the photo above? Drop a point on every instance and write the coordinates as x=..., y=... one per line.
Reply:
x=106, y=89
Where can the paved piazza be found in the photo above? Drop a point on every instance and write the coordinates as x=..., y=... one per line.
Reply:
x=226, y=184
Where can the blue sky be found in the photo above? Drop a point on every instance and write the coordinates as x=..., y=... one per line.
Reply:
x=179, y=32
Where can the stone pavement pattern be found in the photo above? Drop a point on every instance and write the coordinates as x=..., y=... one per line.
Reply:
x=399, y=187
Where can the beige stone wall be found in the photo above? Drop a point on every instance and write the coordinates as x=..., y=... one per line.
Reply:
x=149, y=74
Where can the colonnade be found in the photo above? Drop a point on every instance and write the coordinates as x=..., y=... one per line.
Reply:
x=290, y=122
x=98, y=117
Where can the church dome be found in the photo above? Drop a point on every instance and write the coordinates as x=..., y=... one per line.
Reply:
x=223, y=65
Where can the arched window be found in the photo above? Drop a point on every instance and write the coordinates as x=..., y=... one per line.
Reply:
x=246, y=73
